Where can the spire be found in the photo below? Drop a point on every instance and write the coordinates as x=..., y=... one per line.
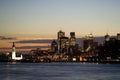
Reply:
x=13, y=47
x=13, y=44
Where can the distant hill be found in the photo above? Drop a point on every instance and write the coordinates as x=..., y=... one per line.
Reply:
x=100, y=40
x=78, y=40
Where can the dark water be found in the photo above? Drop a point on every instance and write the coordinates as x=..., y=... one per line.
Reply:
x=59, y=71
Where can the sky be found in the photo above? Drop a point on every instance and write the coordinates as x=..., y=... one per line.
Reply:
x=39, y=19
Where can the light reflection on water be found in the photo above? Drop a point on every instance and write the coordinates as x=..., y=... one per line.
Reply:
x=59, y=71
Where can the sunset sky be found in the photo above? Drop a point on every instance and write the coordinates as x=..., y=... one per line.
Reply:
x=42, y=19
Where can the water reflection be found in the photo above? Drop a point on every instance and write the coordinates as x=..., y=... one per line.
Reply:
x=59, y=71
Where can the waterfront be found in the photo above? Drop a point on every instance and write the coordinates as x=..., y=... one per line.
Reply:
x=59, y=71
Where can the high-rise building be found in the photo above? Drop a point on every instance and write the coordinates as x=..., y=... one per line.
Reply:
x=72, y=34
x=107, y=37
x=88, y=42
x=64, y=43
x=72, y=39
x=61, y=34
x=54, y=46
x=118, y=36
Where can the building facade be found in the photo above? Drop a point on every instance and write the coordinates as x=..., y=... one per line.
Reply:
x=15, y=56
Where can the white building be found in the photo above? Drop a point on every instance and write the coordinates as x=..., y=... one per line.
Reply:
x=14, y=54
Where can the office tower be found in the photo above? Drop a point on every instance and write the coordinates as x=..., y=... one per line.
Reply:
x=118, y=36
x=72, y=39
x=61, y=34
x=54, y=46
x=72, y=34
x=88, y=42
x=107, y=37
x=72, y=43
x=62, y=42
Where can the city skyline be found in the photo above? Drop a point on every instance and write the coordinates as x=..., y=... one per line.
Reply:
x=42, y=19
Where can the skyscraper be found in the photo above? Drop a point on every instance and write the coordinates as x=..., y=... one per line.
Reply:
x=72, y=34
x=62, y=42
x=107, y=37
x=88, y=42
x=72, y=39
x=118, y=36
x=54, y=46
x=60, y=34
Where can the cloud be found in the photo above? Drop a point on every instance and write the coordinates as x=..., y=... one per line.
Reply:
x=35, y=41
x=7, y=38
x=78, y=40
x=29, y=47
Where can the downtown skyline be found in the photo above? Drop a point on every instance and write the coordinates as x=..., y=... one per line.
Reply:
x=42, y=19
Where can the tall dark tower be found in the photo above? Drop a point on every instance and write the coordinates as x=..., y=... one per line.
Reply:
x=72, y=34
x=72, y=39
x=118, y=36
x=88, y=42
x=13, y=44
x=72, y=43
x=54, y=46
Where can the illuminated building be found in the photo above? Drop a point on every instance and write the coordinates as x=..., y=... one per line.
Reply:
x=64, y=43
x=90, y=49
x=15, y=57
x=62, y=40
x=88, y=42
x=73, y=46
